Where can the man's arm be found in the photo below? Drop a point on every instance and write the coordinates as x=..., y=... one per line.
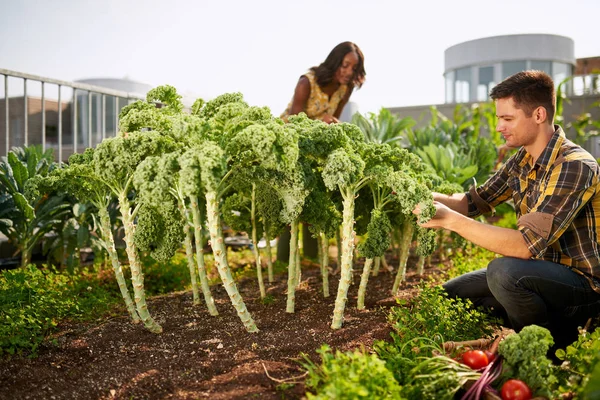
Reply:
x=504, y=241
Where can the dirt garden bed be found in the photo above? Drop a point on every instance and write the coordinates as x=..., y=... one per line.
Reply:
x=200, y=356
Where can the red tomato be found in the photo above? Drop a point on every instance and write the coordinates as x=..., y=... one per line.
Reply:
x=514, y=389
x=475, y=359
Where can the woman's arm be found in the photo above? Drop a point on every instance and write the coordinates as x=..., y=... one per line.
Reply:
x=301, y=95
x=343, y=102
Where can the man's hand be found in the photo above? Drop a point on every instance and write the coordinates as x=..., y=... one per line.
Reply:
x=505, y=241
x=441, y=219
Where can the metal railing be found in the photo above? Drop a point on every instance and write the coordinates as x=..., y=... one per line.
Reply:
x=588, y=84
x=78, y=112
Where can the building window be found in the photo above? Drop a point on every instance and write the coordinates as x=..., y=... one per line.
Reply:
x=486, y=83
x=450, y=87
x=545, y=66
x=560, y=71
x=462, y=85
x=512, y=67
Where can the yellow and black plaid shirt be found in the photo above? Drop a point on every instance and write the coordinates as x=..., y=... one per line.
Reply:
x=557, y=202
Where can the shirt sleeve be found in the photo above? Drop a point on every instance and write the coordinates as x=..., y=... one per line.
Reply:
x=568, y=189
x=493, y=192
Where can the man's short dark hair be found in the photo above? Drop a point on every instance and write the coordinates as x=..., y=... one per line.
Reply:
x=529, y=90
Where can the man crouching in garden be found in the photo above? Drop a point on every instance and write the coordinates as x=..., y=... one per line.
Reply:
x=549, y=274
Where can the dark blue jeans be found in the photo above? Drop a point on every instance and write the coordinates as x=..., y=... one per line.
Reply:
x=526, y=292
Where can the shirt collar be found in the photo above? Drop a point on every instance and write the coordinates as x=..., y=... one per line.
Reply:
x=550, y=152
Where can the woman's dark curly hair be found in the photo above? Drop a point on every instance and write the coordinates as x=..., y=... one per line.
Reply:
x=326, y=71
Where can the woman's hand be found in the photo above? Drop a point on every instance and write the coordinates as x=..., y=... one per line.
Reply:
x=327, y=118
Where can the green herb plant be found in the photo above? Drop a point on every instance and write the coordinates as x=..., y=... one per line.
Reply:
x=350, y=375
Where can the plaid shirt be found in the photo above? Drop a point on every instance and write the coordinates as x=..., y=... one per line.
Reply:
x=556, y=201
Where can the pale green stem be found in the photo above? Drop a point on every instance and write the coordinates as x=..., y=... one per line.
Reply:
x=109, y=245
x=259, y=275
x=189, y=253
x=348, y=235
x=298, y=264
x=405, y=241
x=376, y=264
x=325, y=263
x=364, y=279
x=25, y=257
x=420, y=265
x=269, y=253
x=137, y=276
x=398, y=250
x=208, y=298
x=291, y=295
x=384, y=264
x=338, y=240
x=220, y=254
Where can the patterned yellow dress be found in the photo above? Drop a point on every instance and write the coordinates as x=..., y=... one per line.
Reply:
x=318, y=103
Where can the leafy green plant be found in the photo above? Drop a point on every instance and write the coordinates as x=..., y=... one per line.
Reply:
x=420, y=327
x=33, y=302
x=383, y=127
x=455, y=148
x=525, y=359
x=75, y=233
x=448, y=162
x=581, y=372
x=437, y=378
x=163, y=277
x=25, y=220
x=469, y=259
x=268, y=300
x=350, y=375
x=508, y=219
x=438, y=317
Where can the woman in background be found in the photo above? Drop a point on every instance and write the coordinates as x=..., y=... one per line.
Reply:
x=322, y=93
x=324, y=90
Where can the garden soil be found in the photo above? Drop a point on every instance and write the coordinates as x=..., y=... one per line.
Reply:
x=200, y=356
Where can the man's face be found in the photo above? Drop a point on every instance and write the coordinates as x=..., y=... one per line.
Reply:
x=517, y=128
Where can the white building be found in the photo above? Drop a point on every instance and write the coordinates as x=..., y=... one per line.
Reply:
x=472, y=68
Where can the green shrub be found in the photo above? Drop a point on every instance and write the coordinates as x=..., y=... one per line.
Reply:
x=423, y=324
x=166, y=276
x=433, y=315
x=471, y=258
x=33, y=302
x=350, y=375
x=581, y=374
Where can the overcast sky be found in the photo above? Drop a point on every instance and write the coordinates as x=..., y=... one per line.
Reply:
x=261, y=47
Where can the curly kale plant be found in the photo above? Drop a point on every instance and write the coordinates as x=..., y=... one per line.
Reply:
x=525, y=359
x=115, y=161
